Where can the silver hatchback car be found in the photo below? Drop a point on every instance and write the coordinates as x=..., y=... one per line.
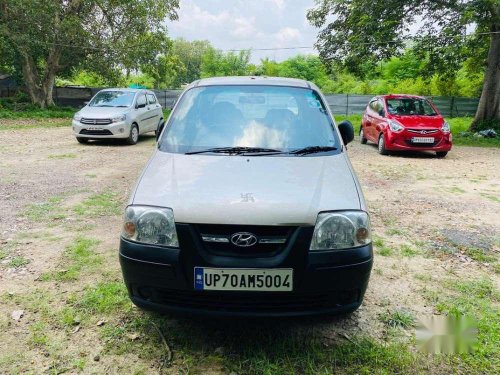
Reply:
x=118, y=113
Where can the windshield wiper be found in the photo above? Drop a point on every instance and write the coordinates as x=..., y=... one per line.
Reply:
x=312, y=150
x=234, y=150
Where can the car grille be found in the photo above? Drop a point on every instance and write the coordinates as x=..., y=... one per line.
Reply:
x=423, y=131
x=95, y=132
x=247, y=301
x=270, y=239
x=96, y=121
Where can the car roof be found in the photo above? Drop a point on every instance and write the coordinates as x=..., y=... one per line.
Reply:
x=253, y=80
x=389, y=96
x=127, y=89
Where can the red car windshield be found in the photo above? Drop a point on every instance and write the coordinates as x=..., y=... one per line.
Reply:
x=410, y=107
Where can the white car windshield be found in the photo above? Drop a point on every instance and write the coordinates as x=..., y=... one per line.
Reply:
x=249, y=118
x=113, y=99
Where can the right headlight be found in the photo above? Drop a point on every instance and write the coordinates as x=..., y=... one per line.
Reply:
x=341, y=230
x=77, y=117
x=150, y=225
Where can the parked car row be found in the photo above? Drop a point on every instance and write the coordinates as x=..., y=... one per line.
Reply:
x=393, y=122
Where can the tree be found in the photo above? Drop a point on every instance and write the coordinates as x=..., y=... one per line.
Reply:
x=191, y=55
x=53, y=37
x=360, y=31
x=216, y=63
x=165, y=70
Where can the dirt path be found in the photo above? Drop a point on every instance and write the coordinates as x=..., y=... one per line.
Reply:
x=432, y=219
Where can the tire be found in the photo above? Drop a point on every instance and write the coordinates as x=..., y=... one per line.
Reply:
x=82, y=140
x=362, y=138
x=133, y=136
x=381, y=145
x=441, y=154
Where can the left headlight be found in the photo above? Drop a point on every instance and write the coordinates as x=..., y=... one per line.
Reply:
x=119, y=118
x=77, y=117
x=341, y=230
x=395, y=126
x=445, y=128
x=150, y=225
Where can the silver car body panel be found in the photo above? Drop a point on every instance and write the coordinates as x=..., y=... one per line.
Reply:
x=263, y=190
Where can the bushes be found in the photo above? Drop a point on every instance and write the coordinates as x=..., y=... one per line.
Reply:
x=19, y=106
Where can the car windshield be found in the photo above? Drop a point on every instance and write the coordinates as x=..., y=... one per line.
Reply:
x=246, y=119
x=113, y=99
x=410, y=107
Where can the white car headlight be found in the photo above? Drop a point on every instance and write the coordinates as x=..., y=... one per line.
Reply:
x=150, y=225
x=119, y=118
x=445, y=128
x=341, y=230
x=77, y=117
x=395, y=126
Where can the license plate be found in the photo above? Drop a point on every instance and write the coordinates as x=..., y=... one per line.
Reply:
x=244, y=279
x=94, y=128
x=422, y=140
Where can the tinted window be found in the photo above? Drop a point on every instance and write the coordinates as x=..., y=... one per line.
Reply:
x=113, y=99
x=141, y=99
x=373, y=105
x=410, y=107
x=283, y=118
x=151, y=99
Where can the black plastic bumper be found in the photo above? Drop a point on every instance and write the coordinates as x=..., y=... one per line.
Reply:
x=162, y=279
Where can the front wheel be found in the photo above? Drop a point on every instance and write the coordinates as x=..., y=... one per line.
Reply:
x=134, y=135
x=441, y=154
x=381, y=145
x=362, y=138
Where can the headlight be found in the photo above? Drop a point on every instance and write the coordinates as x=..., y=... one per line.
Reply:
x=119, y=118
x=77, y=117
x=446, y=127
x=395, y=126
x=150, y=225
x=341, y=230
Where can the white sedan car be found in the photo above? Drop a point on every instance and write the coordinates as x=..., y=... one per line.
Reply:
x=118, y=113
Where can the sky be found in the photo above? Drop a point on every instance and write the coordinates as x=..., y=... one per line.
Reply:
x=247, y=24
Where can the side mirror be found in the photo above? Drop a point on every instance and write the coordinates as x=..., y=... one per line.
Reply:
x=381, y=113
x=159, y=130
x=346, y=131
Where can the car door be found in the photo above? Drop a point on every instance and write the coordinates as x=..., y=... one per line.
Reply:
x=370, y=120
x=141, y=112
x=377, y=119
x=155, y=112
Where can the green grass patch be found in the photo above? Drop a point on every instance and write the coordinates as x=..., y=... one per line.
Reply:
x=28, y=111
x=105, y=298
x=408, y=251
x=49, y=210
x=398, y=318
x=62, y=156
x=385, y=251
x=478, y=299
x=18, y=261
x=480, y=255
x=77, y=257
x=103, y=204
x=491, y=197
x=455, y=190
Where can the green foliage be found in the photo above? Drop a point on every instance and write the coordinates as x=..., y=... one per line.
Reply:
x=216, y=63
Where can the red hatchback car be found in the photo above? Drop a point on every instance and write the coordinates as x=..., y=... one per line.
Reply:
x=405, y=123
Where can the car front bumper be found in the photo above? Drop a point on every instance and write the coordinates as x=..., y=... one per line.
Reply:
x=402, y=142
x=114, y=130
x=162, y=279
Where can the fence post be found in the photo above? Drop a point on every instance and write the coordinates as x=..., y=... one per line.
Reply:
x=451, y=106
x=347, y=105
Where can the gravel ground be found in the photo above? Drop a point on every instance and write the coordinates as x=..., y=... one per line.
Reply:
x=440, y=208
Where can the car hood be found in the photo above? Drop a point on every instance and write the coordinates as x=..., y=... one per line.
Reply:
x=102, y=112
x=423, y=122
x=260, y=190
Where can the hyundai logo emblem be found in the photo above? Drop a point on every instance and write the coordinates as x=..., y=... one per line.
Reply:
x=423, y=132
x=243, y=239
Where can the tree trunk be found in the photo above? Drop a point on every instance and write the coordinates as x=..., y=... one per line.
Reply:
x=40, y=87
x=489, y=104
